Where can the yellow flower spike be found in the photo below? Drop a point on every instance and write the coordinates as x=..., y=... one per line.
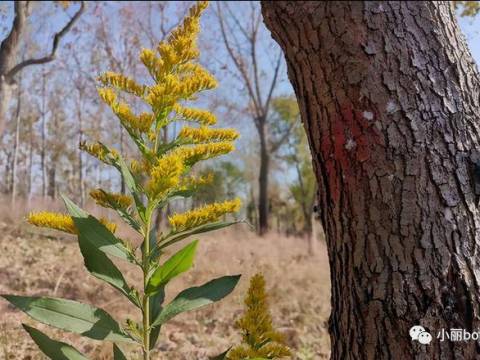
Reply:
x=53, y=220
x=108, y=96
x=112, y=227
x=165, y=175
x=203, y=117
x=205, y=134
x=106, y=199
x=193, y=154
x=99, y=151
x=203, y=215
x=154, y=64
x=62, y=222
x=122, y=82
x=192, y=181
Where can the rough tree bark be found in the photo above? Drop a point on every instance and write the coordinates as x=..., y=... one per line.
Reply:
x=389, y=96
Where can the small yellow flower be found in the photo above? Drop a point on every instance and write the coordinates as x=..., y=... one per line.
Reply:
x=99, y=151
x=165, y=175
x=122, y=82
x=203, y=117
x=193, y=154
x=109, y=200
x=205, y=134
x=203, y=215
x=62, y=222
x=193, y=181
x=53, y=220
x=108, y=96
x=153, y=63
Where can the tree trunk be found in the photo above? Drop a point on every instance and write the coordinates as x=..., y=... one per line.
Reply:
x=51, y=180
x=263, y=181
x=5, y=97
x=43, y=151
x=389, y=96
x=16, y=143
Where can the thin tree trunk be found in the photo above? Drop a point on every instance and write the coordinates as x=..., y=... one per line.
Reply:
x=16, y=143
x=389, y=96
x=30, y=162
x=263, y=182
x=44, y=138
x=51, y=180
x=5, y=97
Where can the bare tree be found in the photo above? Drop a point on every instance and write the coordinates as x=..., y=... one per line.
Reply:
x=9, y=49
x=247, y=69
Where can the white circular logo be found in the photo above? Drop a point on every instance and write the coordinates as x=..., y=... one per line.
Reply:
x=424, y=338
x=418, y=333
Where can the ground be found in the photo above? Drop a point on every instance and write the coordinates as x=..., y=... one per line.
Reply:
x=34, y=262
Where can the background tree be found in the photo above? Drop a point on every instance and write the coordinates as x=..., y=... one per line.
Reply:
x=388, y=93
x=10, y=47
x=242, y=39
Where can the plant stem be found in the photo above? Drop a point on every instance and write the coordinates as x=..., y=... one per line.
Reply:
x=146, y=303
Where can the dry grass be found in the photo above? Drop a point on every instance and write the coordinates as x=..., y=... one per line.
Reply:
x=36, y=263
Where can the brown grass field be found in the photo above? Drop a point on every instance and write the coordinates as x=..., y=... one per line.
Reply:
x=36, y=262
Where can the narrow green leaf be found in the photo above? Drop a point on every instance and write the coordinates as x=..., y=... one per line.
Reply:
x=176, y=237
x=132, y=186
x=95, y=259
x=95, y=232
x=177, y=264
x=117, y=353
x=156, y=301
x=55, y=350
x=70, y=315
x=196, y=297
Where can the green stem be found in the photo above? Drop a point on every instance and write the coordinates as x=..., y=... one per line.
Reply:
x=146, y=303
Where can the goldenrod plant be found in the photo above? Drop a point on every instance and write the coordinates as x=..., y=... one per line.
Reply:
x=260, y=339
x=162, y=175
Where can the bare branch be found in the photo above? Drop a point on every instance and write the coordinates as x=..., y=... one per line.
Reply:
x=10, y=43
x=238, y=63
x=274, y=146
x=273, y=84
x=56, y=40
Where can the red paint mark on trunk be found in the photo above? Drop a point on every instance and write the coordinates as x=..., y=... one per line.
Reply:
x=342, y=162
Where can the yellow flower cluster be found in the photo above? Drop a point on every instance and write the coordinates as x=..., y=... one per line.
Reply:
x=203, y=215
x=165, y=175
x=205, y=134
x=99, y=151
x=192, y=181
x=203, y=117
x=110, y=200
x=121, y=82
x=260, y=339
x=175, y=87
x=61, y=222
x=193, y=154
x=141, y=123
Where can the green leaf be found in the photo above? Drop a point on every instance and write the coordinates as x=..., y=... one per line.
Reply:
x=156, y=301
x=117, y=353
x=196, y=297
x=176, y=237
x=95, y=232
x=55, y=350
x=177, y=264
x=70, y=315
x=94, y=256
x=132, y=186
